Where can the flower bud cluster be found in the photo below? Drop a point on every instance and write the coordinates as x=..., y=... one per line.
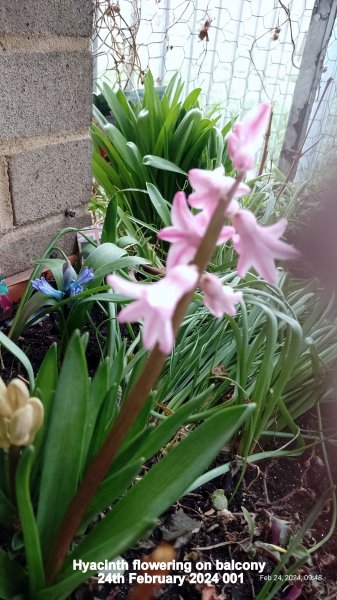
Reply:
x=20, y=416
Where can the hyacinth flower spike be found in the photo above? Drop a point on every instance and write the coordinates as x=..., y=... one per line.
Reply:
x=258, y=246
x=70, y=286
x=155, y=303
x=245, y=138
x=186, y=232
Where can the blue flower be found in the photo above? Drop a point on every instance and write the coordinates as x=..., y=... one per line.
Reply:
x=41, y=285
x=77, y=286
x=68, y=275
x=70, y=286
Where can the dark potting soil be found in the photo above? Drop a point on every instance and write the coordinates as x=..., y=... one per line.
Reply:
x=285, y=489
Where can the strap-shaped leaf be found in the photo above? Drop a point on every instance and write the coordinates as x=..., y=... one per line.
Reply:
x=65, y=442
x=12, y=577
x=28, y=523
x=20, y=355
x=161, y=486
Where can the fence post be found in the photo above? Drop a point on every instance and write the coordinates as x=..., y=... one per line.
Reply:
x=319, y=33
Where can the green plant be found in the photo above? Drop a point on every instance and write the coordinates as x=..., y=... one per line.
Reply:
x=142, y=159
x=79, y=413
x=72, y=311
x=276, y=352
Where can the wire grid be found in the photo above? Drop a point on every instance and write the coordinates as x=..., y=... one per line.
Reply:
x=239, y=52
x=320, y=148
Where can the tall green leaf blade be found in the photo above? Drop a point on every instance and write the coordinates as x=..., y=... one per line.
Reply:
x=109, y=232
x=28, y=522
x=20, y=355
x=45, y=387
x=162, y=485
x=12, y=577
x=65, y=442
x=162, y=164
x=159, y=203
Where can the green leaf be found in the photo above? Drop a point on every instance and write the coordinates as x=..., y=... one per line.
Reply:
x=55, y=265
x=28, y=523
x=109, y=232
x=162, y=164
x=114, y=487
x=61, y=590
x=98, y=390
x=45, y=386
x=65, y=442
x=20, y=355
x=249, y=520
x=161, y=486
x=101, y=261
x=7, y=511
x=36, y=304
x=12, y=577
x=165, y=431
x=219, y=500
x=159, y=203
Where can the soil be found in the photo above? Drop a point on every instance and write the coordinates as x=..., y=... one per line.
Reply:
x=284, y=489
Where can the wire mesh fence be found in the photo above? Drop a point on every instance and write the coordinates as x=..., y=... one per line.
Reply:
x=240, y=53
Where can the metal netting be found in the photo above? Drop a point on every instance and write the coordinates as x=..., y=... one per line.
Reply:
x=239, y=52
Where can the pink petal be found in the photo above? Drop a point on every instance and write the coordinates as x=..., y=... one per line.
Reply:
x=171, y=234
x=151, y=330
x=181, y=215
x=132, y=312
x=219, y=299
x=128, y=288
x=246, y=137
x=179, y=254
x=226, y=233
x=265, y=266
x=256, y=121
x=166, y=338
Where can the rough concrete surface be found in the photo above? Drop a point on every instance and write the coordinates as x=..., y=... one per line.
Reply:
x=21, y=245
x=44, y=93
x=50, y=180
x=6, y=213
x=63, y=17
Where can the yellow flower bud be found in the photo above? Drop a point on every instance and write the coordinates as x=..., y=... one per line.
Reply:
x=20, y=416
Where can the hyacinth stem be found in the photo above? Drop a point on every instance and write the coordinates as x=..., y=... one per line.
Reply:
x=13, y=459
x=132, y=406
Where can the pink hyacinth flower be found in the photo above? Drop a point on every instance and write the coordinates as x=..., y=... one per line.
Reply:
x=186, y=232
x=155, y=303
x=259, y=246
x=244, y=140
x=219, y=298
x=210, y=186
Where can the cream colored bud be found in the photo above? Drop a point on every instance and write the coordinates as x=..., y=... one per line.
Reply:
x=20, y=416
x=5, y=407
x=17, y=393
x=4, y=438
x=25, y=423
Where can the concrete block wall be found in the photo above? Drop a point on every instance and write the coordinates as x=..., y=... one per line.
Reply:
x=45, y=112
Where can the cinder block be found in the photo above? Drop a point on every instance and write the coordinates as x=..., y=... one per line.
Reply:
x=50, y=180
x=6, y=213
x=61, y=17
x=44, y=93
x=23, y=244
